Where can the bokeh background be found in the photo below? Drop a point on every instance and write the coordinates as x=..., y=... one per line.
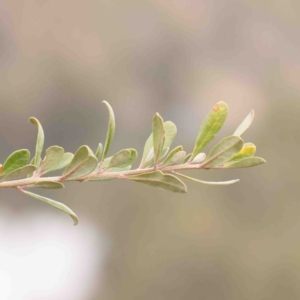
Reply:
x=60, y=59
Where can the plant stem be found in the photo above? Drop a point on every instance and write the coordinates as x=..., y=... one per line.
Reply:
x=96, y=175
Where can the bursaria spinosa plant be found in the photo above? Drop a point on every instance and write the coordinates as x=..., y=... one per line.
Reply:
x=159, y=167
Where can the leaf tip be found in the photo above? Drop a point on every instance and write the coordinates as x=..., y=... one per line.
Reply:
x=33, y=120
x=75, y=219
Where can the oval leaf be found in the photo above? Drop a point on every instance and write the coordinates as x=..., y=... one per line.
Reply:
x=245, y=163
x=161, y=180
x=56, y=204
x=39, y=142
x=171, y=154
x=49, y=185
x=199, y=158
x=83, y=163
x=119, y=158
x=20, y=173
x=132, y=159
x=210, y=126
x=170, y=133
x=66, y=159
x=158, y=136
x=16, y=160
x=248, y=150
x=223, y=151
x=150, y=163
x=110, y=130
x=245, y=124
x=53, y=157
x=176, y=159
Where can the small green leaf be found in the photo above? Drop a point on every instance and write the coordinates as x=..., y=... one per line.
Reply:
x=148, y=148
x=39, y=142
x=245, y=124
x=176, y=159
x=223, y=151
x=50, y=185
x=150, y=163
x=66, y=159
x=158, y=136
x=110, y=130
x=209, y=182
x=99, y=151
x=16, y=160
x=187, y=158
x=248, y=150
x=199, y=158
x=244, y=163
x=53, y=157
x=150, y=157
x=56, y=204
x=120, y=158
x=83, y=163
x=170, y=133
x=161, y=180
x=210, y=126
x=132, y=159
x=20, y=173
x=171, y=154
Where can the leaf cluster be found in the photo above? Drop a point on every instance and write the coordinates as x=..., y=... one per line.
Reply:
x=160, y=165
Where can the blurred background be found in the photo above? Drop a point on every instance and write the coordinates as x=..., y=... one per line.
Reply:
x=60, y=59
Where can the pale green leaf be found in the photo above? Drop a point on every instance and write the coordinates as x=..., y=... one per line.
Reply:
x=110, y=130
x=171, y=154
x=53, y=157
x=56, y=204
x=150, y=158
x=20, y=173
x=131, y=160
x=147, y=149
x=199, y=158
x=170, y=133
x=176, y=159
x=158, y=136
x=99, y=151
x=210, y=126
x=66, y=159
x=39, y=141
x=120, y=158
x=223, y=151
x=161, y=180
x=150, y=163
x=16, y=160
x=248, y=150
x=245, y=163
x=50, y=185
x=83, y=163
x=245, y=124
x=209, y=182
